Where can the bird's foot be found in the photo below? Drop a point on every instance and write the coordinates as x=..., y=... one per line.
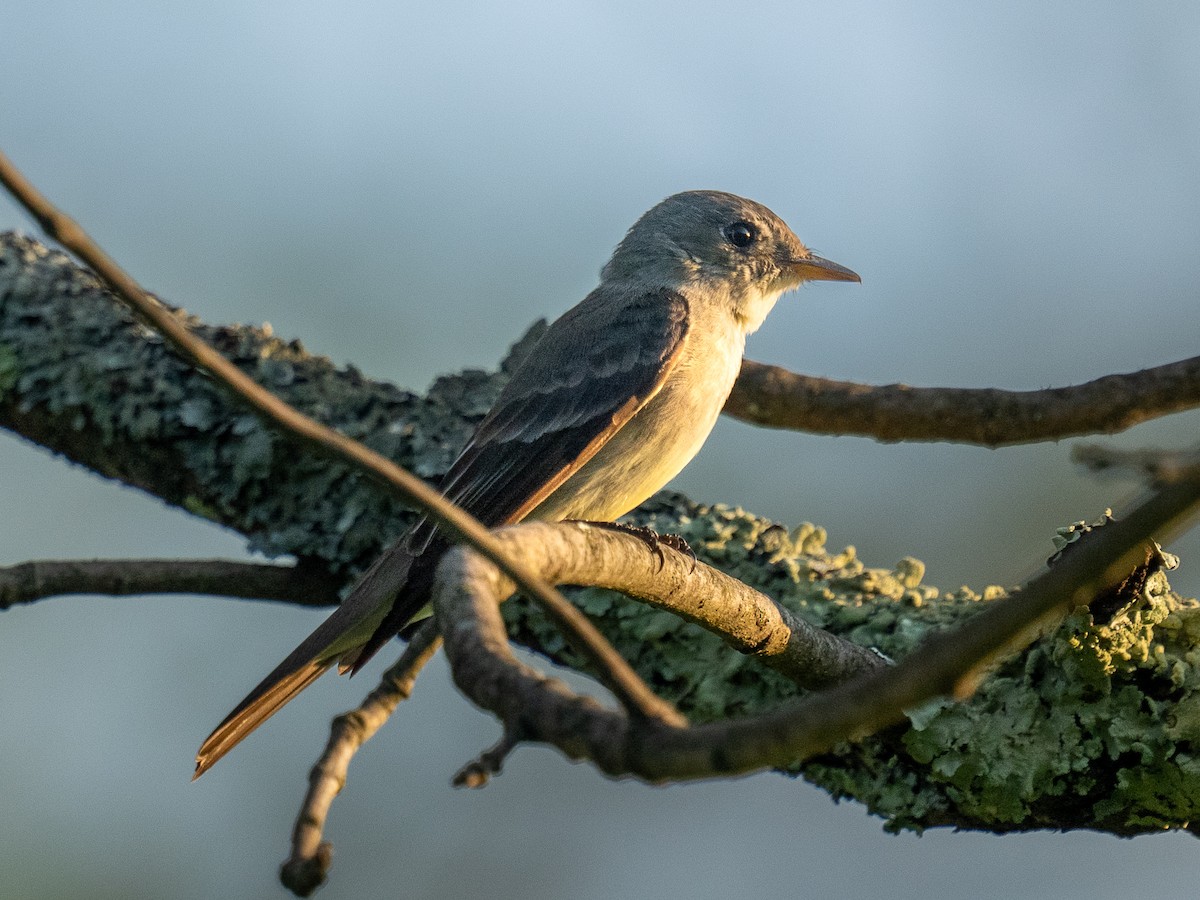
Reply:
x=651, y=539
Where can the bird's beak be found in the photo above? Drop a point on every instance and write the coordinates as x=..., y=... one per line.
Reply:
x=814, y=268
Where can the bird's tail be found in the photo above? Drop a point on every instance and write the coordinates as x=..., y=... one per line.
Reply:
x=340, y=637
x=262, y=703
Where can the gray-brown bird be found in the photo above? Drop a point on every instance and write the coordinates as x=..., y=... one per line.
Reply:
x=612, y=402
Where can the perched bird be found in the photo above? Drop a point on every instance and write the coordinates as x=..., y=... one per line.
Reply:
x=612, y=402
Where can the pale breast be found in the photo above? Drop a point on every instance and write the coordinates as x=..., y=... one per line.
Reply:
x=662, y=438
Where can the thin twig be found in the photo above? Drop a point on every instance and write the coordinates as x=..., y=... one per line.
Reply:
x=479, y=771
x=307, y=867
x=617, y=674
x=301, y=584
x=776, y=398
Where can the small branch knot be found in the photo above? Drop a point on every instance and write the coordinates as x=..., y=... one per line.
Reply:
x=303, y=876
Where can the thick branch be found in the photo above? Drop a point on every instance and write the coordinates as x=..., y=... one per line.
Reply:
x=774, y=397
x=745, y=619
x=79, y=376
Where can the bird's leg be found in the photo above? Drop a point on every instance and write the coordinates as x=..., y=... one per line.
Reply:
x=649, y=537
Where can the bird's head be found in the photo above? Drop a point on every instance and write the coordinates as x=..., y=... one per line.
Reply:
x=725, y=245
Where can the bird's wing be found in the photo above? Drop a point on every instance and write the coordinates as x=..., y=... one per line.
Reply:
x=589, y=375
x=591, y=372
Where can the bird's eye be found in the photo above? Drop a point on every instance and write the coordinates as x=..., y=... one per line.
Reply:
x=741, y=234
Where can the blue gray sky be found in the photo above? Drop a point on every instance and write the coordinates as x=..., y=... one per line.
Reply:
x=406, y=187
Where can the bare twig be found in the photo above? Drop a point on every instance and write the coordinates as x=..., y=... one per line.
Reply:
x=776, y=398
x=617, y=674
x=307, y=867
x=479, y=771
x=301, y=584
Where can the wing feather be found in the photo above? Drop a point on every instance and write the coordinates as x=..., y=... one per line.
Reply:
x=589, y=375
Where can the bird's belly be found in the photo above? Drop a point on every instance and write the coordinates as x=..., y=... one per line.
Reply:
x=653, y=447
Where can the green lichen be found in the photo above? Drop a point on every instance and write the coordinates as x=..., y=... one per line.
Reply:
x=10, y=368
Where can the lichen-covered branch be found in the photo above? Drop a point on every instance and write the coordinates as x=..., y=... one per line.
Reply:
x=776, y=398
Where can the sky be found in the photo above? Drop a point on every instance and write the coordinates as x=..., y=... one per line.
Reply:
x=406, y=187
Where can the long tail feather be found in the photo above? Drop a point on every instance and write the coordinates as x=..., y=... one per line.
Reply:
x=264, y=701
x=344, y=632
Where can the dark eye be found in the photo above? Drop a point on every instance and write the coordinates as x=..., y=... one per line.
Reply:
x=741, y=234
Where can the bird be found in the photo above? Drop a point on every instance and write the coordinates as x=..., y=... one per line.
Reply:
x=611, y=403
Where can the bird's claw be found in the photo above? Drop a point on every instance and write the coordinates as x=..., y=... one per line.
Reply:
x=653, y=540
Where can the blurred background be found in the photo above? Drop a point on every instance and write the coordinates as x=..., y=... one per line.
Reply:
x=406, y=187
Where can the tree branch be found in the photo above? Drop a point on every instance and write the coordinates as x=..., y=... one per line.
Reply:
x=744, y=619
x=776, y=398
x=305, y=584
x=1144, y=464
